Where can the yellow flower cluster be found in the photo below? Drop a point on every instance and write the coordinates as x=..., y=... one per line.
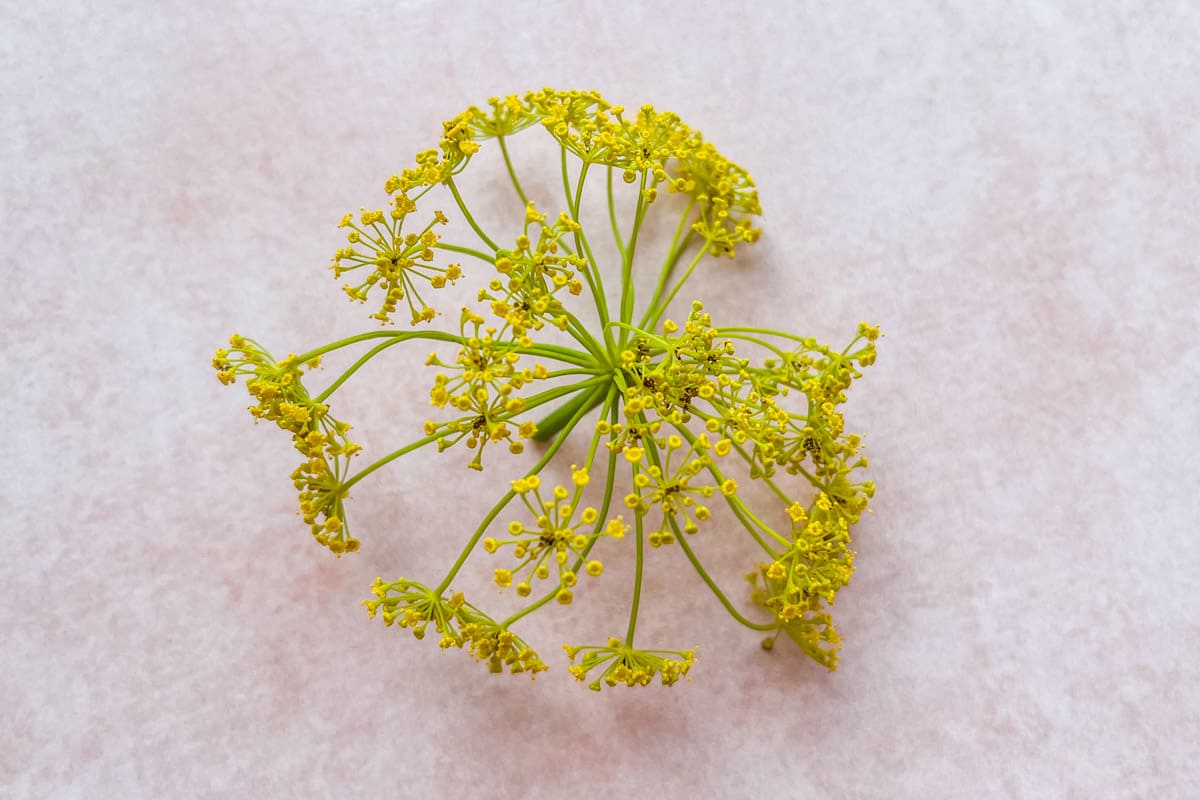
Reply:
x=802, y=580
x=673, y=489
x=628, y=665
x=437, y=165
x=281, y=398
x=670, y=373
x=414, y=606
x=814, y=441
x=656, y=144
x=633, y=433
x=557, y=536
x=483, y=389
x=396, y=259
x=677, y=402
x=531, y=273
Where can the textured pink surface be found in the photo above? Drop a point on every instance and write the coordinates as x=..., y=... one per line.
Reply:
x=1011, y=191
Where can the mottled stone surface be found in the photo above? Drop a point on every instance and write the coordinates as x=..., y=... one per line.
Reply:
x=1011, y=190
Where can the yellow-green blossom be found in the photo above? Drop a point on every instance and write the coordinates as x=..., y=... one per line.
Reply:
x=618, y=663
x=695, y=419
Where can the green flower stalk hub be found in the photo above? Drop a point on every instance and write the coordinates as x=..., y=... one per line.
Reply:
x=685, y=409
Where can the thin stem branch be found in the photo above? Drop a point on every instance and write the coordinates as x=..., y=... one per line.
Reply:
x=627, y=256
x=512, y=174
x=637, y=580
x=552, y=351
x=678, y=246
x=662, y=307
x=467, y=251
x=592, y=273
x=389, y=458
x=345, y=376
x=712, y=585
x=462, y=206
x=612, y=217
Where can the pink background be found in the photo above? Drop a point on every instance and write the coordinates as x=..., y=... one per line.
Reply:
x=1010, y=190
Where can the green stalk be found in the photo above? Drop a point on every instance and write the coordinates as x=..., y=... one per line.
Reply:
x=652, y=453
x=678, y=246
x=467, y=214
x=712, y=585
x=467, y=251
x=594, y=280
x=612, y=217
x=512, y=174
x=552, y=351
x=389, y=458
x=627, y=256
x=333, y=387
x=661, y=308
x=637, y=580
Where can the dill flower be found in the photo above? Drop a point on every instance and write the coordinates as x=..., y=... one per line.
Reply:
x=320, y=438
x=482, y=385
x=414, y=606
x=627, y=665
x=557, y=538
x=398, y=260
x=672, y=490
x=687, y=412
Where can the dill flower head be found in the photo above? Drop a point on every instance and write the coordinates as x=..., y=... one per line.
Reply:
x=396, y=261
x=558, y=538
x=677, y=492
x=482, y=384
x=615, y=663
x=415, y=607
x=677, y=415
x=281, y=398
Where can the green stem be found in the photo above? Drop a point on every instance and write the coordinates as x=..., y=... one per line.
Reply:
x=470, y=220
x=390, y=457
x=652, y=453
x=581, y=335
x=612, y=217
x=755, y=340
x=531, y=403
x=662, y=307
x=712, y=585
x=678, y=246
x=333, y=387
x=657, y=343
x=551, y=351
x=791, y=337
x=362, y=337
x=598, y=290
x=627, y=258
x=637, y=580
x=592, y=274
x=512, y=174
x=467, y=251
x=558, y=391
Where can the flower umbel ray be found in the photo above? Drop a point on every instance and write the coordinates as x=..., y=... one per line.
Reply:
x=689, y=412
